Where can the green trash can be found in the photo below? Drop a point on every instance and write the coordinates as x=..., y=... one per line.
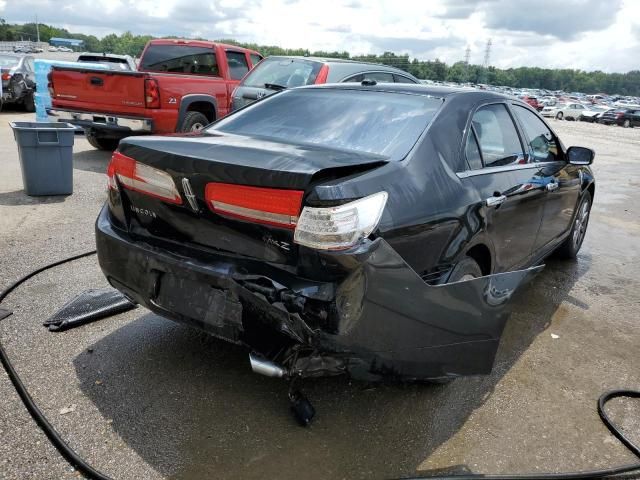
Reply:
x=46, y=157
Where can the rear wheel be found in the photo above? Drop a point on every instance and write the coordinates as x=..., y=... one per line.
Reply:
x=102, y=143
x=466, y=269
x=559, y=115
x=626, y=123
x=571, y=246
x=194, y=122
x=28, y=103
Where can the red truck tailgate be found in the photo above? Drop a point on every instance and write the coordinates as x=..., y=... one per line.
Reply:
x=97, y=90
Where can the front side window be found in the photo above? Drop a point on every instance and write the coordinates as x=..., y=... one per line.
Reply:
x=497, y=136
x=382, y=123
x=255, y=59
x=543, y=146
x=238, y=65
x=180, y=59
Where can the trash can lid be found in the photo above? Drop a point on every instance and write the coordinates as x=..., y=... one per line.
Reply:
x=41, y=126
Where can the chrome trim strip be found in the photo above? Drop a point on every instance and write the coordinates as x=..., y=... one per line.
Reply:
x=256, y=214
x=133, y=124
x=504, y=168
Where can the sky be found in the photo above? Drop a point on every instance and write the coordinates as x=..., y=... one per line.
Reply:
x=585, y=34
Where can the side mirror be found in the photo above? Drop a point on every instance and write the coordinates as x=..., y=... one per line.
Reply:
x=580, y=155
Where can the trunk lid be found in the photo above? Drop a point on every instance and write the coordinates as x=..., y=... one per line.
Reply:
x=193, y=161
x=98, y=90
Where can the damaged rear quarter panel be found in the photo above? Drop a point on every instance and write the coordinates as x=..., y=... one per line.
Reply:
x=410, y=329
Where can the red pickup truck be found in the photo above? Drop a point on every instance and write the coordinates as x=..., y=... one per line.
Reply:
x=180, y=86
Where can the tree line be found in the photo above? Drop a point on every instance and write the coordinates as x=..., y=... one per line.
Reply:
x=569, y=80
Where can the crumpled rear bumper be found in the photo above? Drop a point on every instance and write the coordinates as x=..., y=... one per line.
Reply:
x=380, y=320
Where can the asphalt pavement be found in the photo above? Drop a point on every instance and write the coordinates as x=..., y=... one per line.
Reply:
x=139, y=396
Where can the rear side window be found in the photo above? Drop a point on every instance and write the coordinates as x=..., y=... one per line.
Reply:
x=382, y=123
x=180, y=59
x=402, y=79
x=238, y=65
x=472, y=152
x=497, y=136
x=286, y=72
x=542, y=144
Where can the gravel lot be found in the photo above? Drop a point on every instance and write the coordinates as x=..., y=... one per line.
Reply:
x=152, y=399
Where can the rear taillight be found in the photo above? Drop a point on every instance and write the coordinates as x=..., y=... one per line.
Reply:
x=619, y=115
x=270, y=206
x=322, y=74
x=141, y=178
x=6, y=76
x=341, y=227
x=151, y=93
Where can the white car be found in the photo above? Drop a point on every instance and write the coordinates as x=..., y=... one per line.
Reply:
x=52, y=49
x=592, y=113
x=567, y=111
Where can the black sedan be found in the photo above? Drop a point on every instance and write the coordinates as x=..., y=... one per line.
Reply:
x=18, y=80
x=376, y=230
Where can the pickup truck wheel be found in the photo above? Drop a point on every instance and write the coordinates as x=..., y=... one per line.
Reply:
x=107, y=144
x=29, y=104
x=194, y=122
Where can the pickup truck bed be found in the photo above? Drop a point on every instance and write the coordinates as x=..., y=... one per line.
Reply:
x=181, y=86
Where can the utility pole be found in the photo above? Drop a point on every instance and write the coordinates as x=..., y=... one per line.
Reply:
x=487, y=54
x=485, y=65
x=467, y=56
x=37, y=29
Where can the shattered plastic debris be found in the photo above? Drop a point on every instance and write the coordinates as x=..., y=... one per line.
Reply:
x=65, y=410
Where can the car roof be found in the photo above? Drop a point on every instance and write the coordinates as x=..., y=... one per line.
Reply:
x=347, y=63
x=416, y=89
x=102, y=54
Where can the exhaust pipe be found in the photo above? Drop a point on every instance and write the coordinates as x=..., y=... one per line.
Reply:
x=265, y=367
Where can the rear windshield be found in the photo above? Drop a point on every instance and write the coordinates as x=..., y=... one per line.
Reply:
x=383, y=123
x=287, y=72
x=8, y=61
x=180, y=59
x=115, y=63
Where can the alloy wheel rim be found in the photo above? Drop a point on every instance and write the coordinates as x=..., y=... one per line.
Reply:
x=580, y=226
x=196, y=127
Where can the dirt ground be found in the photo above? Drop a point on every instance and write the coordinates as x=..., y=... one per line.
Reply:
x=152, y=399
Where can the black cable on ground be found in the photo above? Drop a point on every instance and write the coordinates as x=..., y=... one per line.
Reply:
x=81, y=465
x=54, y=437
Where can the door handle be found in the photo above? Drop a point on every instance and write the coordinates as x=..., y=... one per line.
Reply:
x=551, y=186
x=96, y=81
x=495, y=201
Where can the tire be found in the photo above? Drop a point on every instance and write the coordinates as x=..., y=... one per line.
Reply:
x=571, y=246
x=193, y=122
x=626, y=123
x=101, y=143
x=28, y=103
x=466, y=269
x=559, y=116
